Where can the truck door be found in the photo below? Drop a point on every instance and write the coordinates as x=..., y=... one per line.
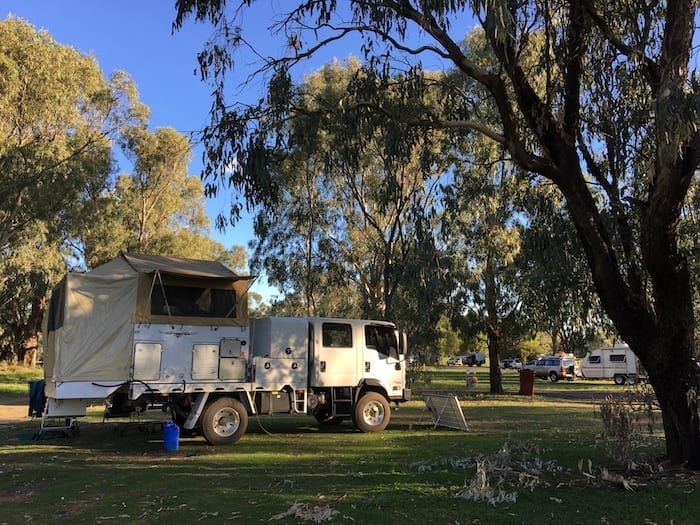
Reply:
x=381, y=358
x=336, y=359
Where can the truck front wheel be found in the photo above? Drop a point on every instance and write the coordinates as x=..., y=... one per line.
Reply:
x=224, y=421
x=372, y=412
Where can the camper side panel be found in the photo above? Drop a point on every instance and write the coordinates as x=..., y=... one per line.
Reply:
x=94, y=342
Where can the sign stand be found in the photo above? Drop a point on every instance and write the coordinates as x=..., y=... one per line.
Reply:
x=445, y=411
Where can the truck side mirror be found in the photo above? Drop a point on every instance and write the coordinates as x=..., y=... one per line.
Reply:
x=403, y=343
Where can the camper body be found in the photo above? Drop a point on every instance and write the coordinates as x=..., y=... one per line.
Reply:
x=617, y=363
x=176, y=335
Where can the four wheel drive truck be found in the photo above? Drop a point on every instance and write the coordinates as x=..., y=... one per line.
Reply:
x=146, y=331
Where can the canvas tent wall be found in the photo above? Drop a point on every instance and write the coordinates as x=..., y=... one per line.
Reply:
x=89, y=331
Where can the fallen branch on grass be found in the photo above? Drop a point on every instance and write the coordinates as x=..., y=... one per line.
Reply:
x=306, y=512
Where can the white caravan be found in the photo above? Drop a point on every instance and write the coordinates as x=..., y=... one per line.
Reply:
x=143, y=331
x=617, y=363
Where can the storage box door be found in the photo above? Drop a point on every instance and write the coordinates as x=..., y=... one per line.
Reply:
x=205, y=361
x=147, y=361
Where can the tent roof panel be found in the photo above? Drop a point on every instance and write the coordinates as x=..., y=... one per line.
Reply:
x=143, y=263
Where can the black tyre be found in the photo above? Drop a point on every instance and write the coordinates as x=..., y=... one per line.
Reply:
x=553, y=376
x=619, y=380
x=372, y=413
x=224, y=421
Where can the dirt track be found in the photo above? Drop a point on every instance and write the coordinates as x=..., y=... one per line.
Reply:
x=13, y=411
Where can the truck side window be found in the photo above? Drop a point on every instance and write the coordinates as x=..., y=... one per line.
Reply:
x=382, y=339
x=337, y=335
x=617, y=358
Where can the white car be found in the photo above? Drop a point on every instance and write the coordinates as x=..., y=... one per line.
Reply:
x=511, y=362
x=456, y=360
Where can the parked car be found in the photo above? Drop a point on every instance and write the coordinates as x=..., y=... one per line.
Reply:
x=555, y=368
x=457, y=360
x=511, y=362
x=474, y=359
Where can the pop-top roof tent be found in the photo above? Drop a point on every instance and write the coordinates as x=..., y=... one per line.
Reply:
x=91, y=318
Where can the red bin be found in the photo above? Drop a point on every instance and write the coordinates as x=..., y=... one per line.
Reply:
x=527, y=383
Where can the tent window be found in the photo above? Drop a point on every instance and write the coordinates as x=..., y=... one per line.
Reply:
x=189, y=301
x=57, y=307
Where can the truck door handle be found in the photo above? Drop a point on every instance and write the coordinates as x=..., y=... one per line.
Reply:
x=367, y=366
x=322, y=366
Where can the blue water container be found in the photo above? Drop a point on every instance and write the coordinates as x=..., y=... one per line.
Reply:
x=172, y=436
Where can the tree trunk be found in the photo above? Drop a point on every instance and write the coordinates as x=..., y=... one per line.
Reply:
x=676, y=390
x=493, y=330
x=27, y=335
x=495, y=376
x=30, y=349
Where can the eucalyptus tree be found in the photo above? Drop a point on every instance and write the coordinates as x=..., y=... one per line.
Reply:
x=553, y=280
x=28, y=271
x=59, y=117
x=690, y=244
x=156, y=208
x=159, y=196
x=601, y=61
x=337, y=229
x=482, y=222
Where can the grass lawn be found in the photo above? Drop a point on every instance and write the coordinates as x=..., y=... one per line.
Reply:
x=288, y=470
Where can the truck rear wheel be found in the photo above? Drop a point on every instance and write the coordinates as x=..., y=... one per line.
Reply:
x=224, y=421
x=372, y=412
x=619, y=379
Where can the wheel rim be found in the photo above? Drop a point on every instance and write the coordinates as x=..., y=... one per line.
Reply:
x=226, y=422
x=373, y=413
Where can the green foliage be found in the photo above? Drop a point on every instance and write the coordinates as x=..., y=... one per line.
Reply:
x=26, y=275
x=159, y=208
x=540, y=344
x=554, y=281
x=351, y=231
x=57, y=117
